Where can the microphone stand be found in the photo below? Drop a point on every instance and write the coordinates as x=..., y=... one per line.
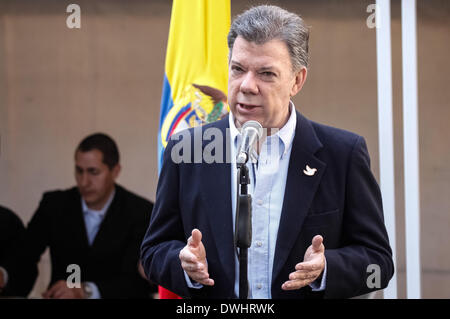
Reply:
x=243, y=225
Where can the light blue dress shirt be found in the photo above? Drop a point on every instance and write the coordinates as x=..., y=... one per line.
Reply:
x=93, y=219
x=268, y=175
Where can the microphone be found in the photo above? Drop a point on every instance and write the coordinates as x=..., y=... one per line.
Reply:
x=251, y=130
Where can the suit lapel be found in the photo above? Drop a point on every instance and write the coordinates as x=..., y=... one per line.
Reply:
x=111, y=222
x=300, y=190
x=76, y=222
x=217, y=178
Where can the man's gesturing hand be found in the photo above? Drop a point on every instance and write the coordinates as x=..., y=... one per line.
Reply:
x=193, y=259
x=310, y=269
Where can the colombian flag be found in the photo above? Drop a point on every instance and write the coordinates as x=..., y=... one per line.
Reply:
x=196, y=71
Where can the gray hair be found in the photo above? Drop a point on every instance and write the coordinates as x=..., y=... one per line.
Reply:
x=264, y=23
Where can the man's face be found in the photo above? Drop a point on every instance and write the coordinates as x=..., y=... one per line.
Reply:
x=94, y=178
x=261, y=82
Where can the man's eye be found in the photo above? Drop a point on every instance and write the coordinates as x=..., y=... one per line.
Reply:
x=236, y=69
x=268, y=74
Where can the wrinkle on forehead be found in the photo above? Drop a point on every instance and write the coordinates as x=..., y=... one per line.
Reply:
x=273, y=54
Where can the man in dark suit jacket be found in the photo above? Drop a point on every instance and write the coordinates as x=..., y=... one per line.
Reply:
x=15, y=273
x=325, y=220
x=93, y=230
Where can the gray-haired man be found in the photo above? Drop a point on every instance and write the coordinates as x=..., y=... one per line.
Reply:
x=317, y=219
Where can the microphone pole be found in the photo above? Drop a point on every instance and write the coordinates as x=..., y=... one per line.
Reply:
x=243, y=231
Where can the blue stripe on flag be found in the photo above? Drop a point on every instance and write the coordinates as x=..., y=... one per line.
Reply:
x=166, y=105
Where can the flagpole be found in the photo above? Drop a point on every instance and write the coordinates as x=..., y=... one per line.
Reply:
x=411, y=149
x=385, y=129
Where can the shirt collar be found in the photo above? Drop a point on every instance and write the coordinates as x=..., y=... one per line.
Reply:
x=286, y=133
x=102, y=211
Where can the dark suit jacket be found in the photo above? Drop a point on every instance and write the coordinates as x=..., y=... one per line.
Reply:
x=12, y=240
x=341, y=202
x=112, y=260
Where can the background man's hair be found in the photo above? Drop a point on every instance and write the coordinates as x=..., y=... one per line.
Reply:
x=264, y=23
x=103, y=143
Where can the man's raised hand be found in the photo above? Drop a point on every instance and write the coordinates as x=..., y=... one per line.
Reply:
x=310, y=269
x=193, y=259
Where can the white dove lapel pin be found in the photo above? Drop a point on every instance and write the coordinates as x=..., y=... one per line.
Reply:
x=309, y=171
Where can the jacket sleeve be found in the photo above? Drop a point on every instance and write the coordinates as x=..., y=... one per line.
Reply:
x=165, y=236
x=365, y=241
x=37, y=235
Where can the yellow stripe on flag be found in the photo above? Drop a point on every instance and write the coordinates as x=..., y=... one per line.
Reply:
x=197, y=51
x=197, y=54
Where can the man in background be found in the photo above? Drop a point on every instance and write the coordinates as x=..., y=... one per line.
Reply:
x=96, y=228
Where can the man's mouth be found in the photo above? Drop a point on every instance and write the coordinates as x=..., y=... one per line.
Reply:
x=247, y=107
x=87, y=193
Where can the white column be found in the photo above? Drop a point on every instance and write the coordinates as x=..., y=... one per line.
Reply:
x=385, y=129
x=411, y=149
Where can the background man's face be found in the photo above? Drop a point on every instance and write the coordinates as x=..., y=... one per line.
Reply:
x=261, y=82
x=94, y=178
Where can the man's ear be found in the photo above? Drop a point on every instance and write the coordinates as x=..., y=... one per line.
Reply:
x=116, y=171
x=300, y=79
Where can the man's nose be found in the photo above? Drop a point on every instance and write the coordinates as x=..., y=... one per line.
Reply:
x=249, y=84
x=84, y=180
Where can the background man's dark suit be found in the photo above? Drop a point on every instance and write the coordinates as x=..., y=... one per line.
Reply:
x=341, y=202
x=112, y=260
x=12, y=237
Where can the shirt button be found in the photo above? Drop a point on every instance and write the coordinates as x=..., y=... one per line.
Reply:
x=258, y=286
x=258, y=243
x=259, y=202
